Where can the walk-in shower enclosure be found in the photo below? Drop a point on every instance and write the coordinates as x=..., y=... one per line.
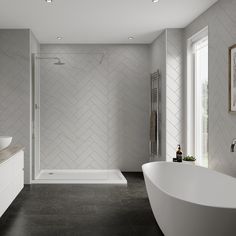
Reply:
x=69, y=119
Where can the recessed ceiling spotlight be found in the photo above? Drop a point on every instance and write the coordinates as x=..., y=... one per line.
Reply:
x=59, y=38
x=48, y=1
x=155, y=1
x=131, y=38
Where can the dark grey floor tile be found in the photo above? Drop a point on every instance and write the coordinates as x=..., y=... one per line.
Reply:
x=90, y=210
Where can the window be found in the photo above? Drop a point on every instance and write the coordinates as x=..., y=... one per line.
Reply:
x=198, y=98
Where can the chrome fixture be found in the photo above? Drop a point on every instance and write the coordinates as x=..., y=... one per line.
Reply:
x=232, y=147
x=58, y=63
x=59, y=38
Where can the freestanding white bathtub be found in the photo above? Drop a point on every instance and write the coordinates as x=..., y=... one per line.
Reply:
x=191, y=201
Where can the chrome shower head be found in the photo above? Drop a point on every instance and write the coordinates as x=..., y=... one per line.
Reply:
x=58, y=63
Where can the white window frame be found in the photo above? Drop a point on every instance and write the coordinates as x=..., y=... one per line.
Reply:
x=191, y=103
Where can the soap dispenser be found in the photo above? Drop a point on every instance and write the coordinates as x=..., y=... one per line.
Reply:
x=179, y=154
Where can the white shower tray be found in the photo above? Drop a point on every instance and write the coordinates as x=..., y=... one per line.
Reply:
x=80, y=177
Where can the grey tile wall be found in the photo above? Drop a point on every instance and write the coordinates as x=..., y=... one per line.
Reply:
x=167, y=56
x=174, y=91
x=220, y=19
x=15, y=89
x=95, y=116
x=158, y=62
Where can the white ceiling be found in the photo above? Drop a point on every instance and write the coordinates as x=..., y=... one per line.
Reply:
x=99, y=21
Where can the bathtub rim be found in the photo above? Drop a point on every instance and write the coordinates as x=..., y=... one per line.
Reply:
x=181, y=199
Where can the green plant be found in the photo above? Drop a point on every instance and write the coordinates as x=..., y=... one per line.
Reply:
x=189, y=158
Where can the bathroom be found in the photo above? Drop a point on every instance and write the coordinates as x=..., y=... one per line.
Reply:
x=95, y=99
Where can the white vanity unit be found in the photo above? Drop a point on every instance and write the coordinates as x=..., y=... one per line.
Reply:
x=11, y=175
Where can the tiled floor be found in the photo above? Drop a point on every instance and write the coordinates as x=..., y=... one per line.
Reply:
x=81, y=210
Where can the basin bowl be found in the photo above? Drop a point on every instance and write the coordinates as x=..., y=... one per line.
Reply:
x=5, y=141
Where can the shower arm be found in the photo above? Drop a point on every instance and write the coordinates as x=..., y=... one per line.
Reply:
x=57, y=58
x=48, y=58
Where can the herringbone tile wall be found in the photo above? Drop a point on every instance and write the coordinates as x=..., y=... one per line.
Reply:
x=221, y=20
x=174, y=91
x=15, y=89
x=95, y=116
x=167, y=56
x=158, y=62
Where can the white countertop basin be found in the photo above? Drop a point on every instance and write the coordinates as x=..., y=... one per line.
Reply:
x=5, y=141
